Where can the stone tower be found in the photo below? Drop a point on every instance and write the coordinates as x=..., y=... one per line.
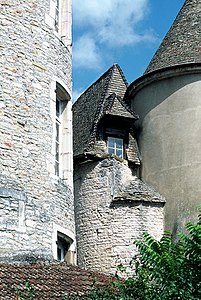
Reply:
x=112, y=205
x=36, y=195
x=167, y=99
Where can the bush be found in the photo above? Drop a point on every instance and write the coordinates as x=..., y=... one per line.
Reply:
x=164, y=270
x=26, y=293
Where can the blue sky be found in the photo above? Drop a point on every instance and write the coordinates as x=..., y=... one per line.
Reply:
x=127, y=32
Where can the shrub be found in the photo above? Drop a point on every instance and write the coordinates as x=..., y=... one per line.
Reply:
x=164, y=270
x=26, y=293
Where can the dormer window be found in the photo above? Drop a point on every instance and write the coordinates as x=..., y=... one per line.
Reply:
x=115, y=146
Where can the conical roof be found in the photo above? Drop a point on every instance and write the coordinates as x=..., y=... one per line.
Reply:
x=182, y=43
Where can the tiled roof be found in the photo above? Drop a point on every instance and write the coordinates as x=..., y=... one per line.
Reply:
x=102, y=97
x=114, y=105
x=49, y=281
x=181, y=44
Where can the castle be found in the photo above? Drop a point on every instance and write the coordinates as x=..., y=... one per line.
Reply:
x=36, y=185
x=136, y=147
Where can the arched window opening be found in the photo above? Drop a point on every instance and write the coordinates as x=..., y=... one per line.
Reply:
x=63, y=247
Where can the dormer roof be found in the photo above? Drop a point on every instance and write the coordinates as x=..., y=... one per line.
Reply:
x=103, y=97
x=181, y=44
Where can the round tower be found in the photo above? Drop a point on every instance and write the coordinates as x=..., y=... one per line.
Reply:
x=113, y=207
x=36, y=197
x=167, y=99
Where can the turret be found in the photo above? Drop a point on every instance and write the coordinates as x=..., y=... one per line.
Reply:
x=36, y=192
x=167, y=100
x=113, y=206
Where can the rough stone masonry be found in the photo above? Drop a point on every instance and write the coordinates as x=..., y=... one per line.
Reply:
x=32, y=198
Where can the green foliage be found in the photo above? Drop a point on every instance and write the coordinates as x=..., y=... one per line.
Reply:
x=164, y=270
x=27, y=293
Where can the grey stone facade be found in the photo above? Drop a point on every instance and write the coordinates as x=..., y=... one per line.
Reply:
x=32, y=199
x=113, y=207
x=156, y=118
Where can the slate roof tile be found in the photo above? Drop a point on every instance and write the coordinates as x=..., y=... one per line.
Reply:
x=96, y=101
x=181, y=44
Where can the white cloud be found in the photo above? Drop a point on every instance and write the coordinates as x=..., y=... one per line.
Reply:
x=112, y=21
x=86, y=53
x=91, y=11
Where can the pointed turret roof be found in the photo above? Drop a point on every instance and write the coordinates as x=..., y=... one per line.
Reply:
x=102, y=97
x=182, y=43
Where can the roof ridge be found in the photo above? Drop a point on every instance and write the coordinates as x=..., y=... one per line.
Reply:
x=95, y=82
x=123, y=103
x=100, y=108
x=111, y=98
x=122, y=74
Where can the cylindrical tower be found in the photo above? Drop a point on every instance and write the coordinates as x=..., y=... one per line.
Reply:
x=169, y=140
x=113, y=207
x=167, y=99
x=36, y=195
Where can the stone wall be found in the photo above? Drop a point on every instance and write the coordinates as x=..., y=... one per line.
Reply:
x=106, y=227
x=32, y=198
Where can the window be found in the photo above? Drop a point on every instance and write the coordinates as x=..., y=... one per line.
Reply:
x=57, y=16
x=61, y=132
x=63, y=245
x=62, y=248
x=58, y=135
x=115, y=146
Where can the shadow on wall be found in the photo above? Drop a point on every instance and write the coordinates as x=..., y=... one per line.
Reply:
x=148, y=92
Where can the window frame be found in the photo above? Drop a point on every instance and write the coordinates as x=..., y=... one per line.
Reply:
x=61, y=130
x=63, y=245
x=69, y=237
x=114, y=140
x=57, y=16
